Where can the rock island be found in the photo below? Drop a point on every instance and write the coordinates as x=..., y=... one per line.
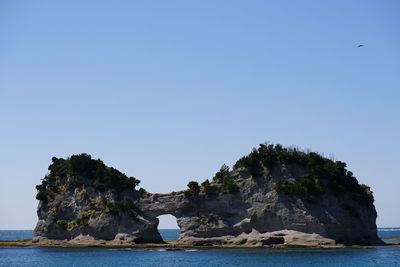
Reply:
x=274, y=196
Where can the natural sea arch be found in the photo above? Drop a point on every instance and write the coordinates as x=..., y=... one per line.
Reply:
x=168, y=227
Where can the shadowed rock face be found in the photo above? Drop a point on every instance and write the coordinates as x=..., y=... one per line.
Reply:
x=72, y=214
x=257, y=206
x=249, y=205
x=82, y=196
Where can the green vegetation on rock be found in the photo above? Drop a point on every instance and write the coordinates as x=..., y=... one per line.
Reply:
x=82, y=170
x=223, y=172
x=208, y=188
x=323, y=175
x=228, y=184
x=79, y=189
x=222, y=183
x=307, y=187
x=193, y=189
x=85, y=216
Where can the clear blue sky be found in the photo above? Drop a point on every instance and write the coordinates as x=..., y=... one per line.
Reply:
x=168, y=91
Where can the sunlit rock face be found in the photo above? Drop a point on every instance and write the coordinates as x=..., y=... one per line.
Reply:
x=257, y=206
x=274, y=195
x=83, y=197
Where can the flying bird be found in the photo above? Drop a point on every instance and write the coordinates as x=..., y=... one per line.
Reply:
x=360, y=45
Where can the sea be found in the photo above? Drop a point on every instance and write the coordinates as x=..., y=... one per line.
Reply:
x=35, y=256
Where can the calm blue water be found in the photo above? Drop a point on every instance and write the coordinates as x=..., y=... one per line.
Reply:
x=16, y=234
x=170, y=234
x=34, y=256
x=389, y=232
x=383, y=256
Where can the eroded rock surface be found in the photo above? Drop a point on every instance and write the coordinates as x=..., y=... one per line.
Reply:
x=290, y=198
x=257, y=206
x=83, y=197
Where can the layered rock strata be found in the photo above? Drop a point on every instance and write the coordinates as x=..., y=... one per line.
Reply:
x=272, y=196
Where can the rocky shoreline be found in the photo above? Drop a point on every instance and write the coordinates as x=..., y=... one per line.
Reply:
x=169, y=246
x=277, y=239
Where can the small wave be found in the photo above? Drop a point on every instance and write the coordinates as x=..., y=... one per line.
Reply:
x=119, y=249
x=191, y=250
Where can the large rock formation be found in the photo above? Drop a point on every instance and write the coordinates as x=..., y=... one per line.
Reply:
x=274, y=195
x=82, y=196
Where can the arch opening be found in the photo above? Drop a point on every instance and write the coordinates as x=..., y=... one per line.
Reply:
x=168, y=227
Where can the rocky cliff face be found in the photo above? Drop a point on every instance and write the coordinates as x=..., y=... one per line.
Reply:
x=274, y=195
x=82, y=196
x=258, y=206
